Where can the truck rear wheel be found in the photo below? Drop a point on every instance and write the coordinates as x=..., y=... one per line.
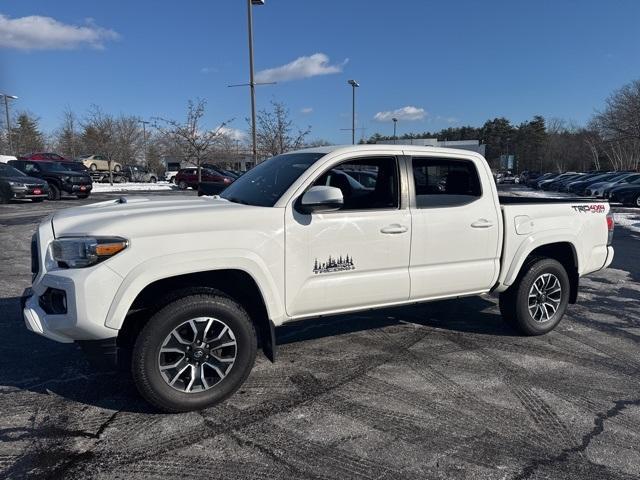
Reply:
x=538, y=299
x=194, y=353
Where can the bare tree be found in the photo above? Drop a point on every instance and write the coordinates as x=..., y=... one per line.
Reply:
x=67, y=136
x=190, y=137
x=275, y=131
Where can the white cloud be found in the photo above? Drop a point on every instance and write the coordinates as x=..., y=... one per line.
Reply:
x=302, y=67
x=45, y=33
x=206, y=70
x=233, y=133
x=449, y=120
x=306, y=110
x=404, y=113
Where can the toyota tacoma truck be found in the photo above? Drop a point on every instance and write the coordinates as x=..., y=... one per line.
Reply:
x=298, y=237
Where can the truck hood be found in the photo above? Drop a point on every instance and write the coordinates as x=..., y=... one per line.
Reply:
x=135, y=217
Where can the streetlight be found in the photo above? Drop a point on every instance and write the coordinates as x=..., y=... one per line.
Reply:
x=6, y=110
x=252, y=82
x=395, y=124
x=354, y=85
x=144, y=137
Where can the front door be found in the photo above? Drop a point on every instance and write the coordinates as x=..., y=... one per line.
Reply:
x=456, y=231
x=356, y=256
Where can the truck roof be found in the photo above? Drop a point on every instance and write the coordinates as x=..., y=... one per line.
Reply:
x=391, y=148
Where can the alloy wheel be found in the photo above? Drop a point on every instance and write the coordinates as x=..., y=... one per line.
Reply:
x=197, y=354
x=545, y=297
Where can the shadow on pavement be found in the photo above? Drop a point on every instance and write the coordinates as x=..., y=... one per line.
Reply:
x=30, y=362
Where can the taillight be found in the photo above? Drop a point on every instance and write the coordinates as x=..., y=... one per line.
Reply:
x=610, y=227
x=227, y=180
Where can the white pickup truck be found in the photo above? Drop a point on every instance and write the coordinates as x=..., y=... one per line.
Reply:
x=187, y=289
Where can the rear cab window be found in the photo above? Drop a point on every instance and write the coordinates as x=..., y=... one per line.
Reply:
x=445, y=182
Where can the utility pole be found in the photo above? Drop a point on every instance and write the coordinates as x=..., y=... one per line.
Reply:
x=252, y=83
x=144, y=137
x=354, y=85
x=395, y=124
x=6, y=111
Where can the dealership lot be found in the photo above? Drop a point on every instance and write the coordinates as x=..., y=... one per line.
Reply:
x=442, y=390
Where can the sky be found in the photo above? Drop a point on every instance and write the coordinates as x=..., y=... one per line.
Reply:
x=430, y=64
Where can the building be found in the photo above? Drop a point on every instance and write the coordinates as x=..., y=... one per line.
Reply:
x=473, y=145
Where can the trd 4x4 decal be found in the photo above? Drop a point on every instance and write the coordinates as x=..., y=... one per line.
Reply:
x=334, y=265
x=595, y=208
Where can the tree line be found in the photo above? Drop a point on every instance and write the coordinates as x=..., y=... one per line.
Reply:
x=610, y=140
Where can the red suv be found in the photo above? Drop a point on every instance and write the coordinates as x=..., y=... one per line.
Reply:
x=188, y=177
x=44, y=156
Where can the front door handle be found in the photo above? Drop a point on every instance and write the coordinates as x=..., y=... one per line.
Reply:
x=394, y=229
x=482, y=223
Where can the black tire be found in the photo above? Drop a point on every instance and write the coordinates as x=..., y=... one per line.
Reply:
x=636, y=201
x=116, y=169
x=54, y=192
x=153, y=180
x=514, y=303
x=145, y=362
x=37, y=200
x=182, y=185
x=93, y=167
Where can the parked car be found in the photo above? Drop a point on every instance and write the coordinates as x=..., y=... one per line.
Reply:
x=44, y=157
x=188, y=177
x=628, y=194
x=606, y=193
x=213, y=278
x=580, y=186
x=15, y=184
x=99, y=163
x=535, y=182
x=139, y=173
x=554, y=184
x=58, y=176
x=170, y=175
x=597, y=189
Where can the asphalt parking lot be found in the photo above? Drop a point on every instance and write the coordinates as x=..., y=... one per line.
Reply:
x=442, y=390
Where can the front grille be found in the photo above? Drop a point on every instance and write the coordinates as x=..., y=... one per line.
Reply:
x=35, y=258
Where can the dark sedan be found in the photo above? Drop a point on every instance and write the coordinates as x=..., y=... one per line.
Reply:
x=627, y=195
x=15, y=184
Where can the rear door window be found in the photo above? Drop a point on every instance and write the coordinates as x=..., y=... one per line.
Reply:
x=444, y=182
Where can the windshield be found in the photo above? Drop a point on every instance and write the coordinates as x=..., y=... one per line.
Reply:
x=74, y=167
x=9, y=171
x=264, y=184
x=53, y=166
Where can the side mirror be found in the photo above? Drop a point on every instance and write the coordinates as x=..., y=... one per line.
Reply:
x=321, y=199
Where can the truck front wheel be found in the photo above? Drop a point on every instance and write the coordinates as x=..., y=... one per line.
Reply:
x=194, y=353
x=538, y=299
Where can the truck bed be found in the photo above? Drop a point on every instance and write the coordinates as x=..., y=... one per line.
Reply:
x=513, y=200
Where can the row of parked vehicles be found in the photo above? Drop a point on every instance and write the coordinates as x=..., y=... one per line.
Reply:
x=620, y=186
x=45, y=175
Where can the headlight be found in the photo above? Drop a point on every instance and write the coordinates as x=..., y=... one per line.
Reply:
x=66, y=178
x=17, y=184
x=80, y=252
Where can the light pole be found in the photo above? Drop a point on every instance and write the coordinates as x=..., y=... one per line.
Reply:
x=6, y=111
x=144, y=138
x=354, y=85
x=252, y=83
x=395, y=124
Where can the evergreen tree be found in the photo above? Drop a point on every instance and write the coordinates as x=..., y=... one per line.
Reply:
x=26, y=136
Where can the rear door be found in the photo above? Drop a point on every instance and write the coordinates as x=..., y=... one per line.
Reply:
x=356, y=256
x=456, y=231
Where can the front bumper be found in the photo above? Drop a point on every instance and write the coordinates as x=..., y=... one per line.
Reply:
x=30, y=192
x=88, y=296
x=78, y=188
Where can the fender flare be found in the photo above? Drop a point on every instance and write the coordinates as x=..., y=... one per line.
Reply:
x=159, y=268
x=535, y=241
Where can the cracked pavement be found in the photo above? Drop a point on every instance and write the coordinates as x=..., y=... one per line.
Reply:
x=440, y=390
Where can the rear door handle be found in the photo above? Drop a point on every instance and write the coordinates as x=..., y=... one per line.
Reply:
x=394, y=229
x=482, y=223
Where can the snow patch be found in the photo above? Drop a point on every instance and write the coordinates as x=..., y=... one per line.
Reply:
x=133, y=187
x=628, y=220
